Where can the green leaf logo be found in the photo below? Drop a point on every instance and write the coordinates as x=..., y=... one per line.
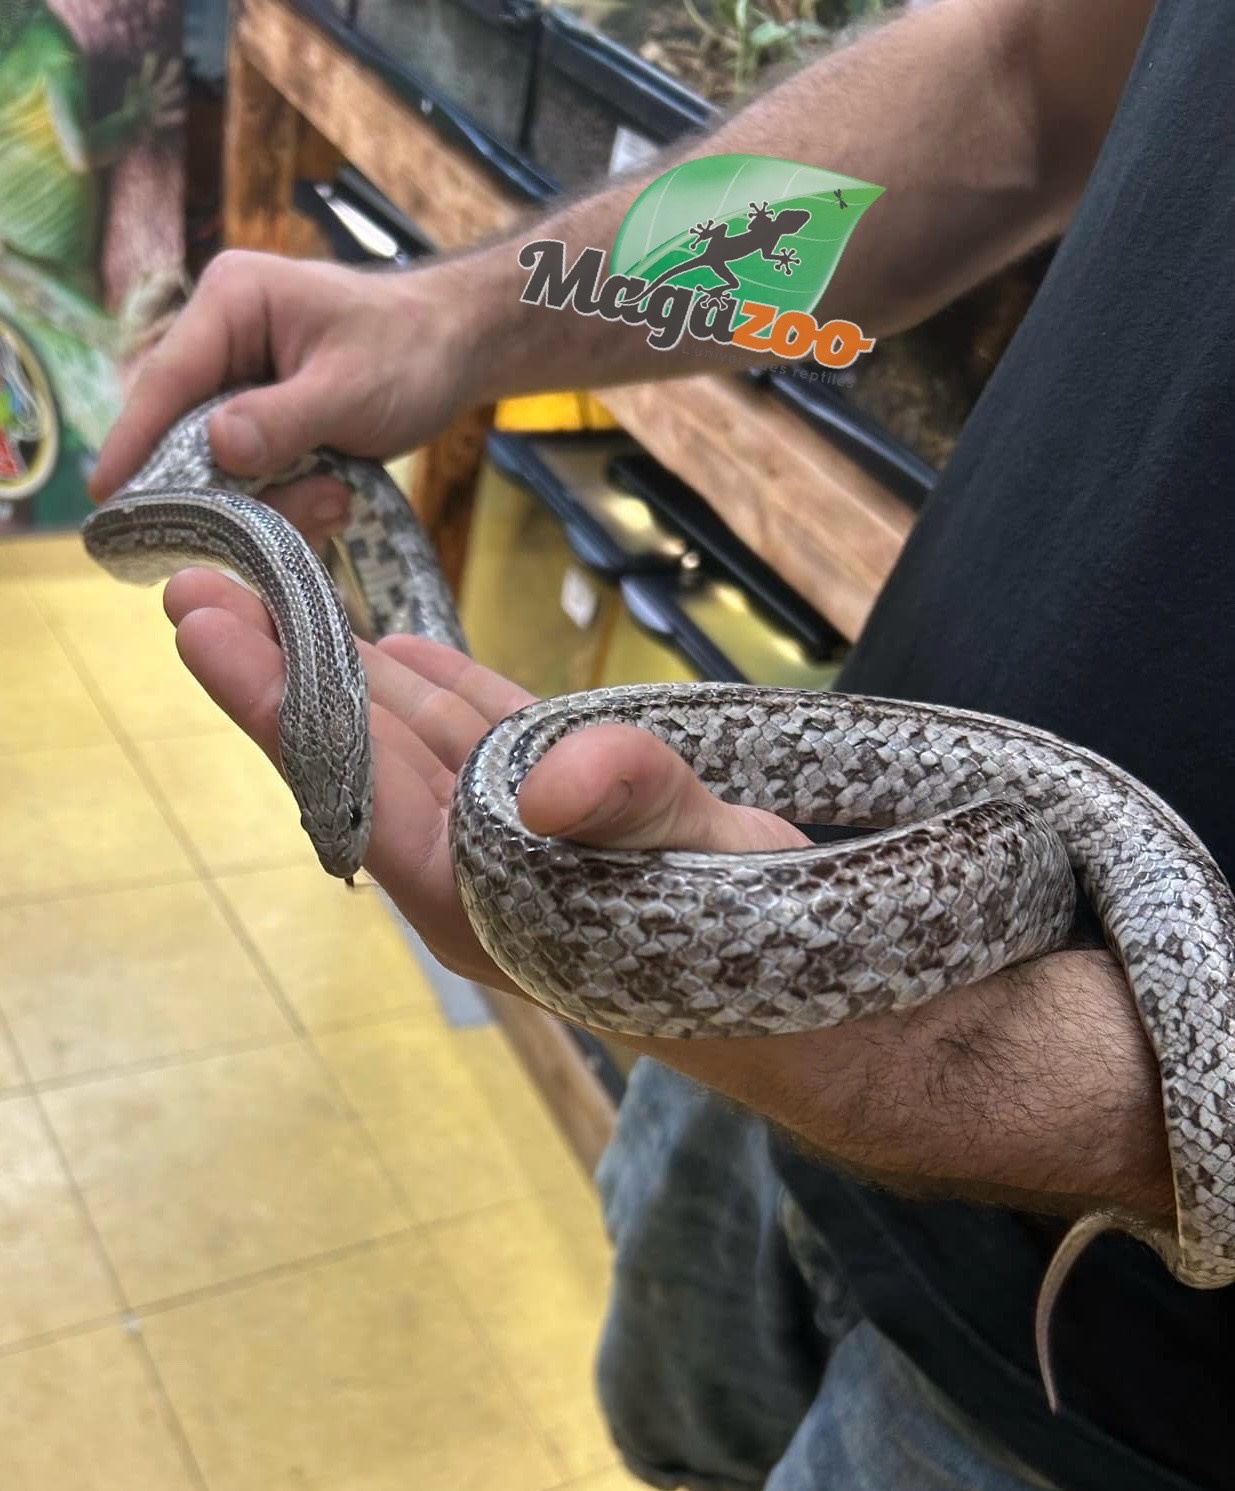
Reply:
x=750, y=226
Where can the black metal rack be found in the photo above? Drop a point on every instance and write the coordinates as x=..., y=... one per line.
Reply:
x=828, y=411
x=593, y=97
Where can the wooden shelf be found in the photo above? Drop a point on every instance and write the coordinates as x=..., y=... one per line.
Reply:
x=823, y=523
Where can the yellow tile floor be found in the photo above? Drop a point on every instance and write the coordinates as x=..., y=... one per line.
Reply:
x=267, y=1221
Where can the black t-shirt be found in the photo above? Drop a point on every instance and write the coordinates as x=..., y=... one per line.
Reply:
x=1076, y=570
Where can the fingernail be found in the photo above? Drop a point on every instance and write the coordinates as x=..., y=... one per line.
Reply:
x=246, y=445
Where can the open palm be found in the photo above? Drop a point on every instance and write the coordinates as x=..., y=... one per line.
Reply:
x=611, y=785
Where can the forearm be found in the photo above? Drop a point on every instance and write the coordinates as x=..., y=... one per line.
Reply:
x=947, y=108
x=1034, y=1089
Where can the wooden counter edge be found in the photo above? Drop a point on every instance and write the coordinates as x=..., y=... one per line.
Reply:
x=573, y=1092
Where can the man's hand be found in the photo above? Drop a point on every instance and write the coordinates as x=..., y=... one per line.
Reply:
x=609, y=785
x=373, y=364
x=1035, y=1088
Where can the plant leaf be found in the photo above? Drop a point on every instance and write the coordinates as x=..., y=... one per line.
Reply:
x=770, y=34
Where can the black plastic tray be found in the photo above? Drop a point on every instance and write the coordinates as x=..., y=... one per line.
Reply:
x=652, y=601
x=519, y=456
x=712, y=547
x=587, y=88
x=319, y=201
x=722, y=551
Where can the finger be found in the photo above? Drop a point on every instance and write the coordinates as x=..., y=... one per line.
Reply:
x=241, y=667
x=489, y=694
x=266, y=430
x=444, y=727
x=220, y=336
x=242, y=672
x=438, y=716
x=622, y=788
x=209, y=590
x=409, y=847
x=318, y=505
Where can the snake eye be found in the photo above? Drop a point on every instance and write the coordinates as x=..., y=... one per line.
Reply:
x=357, y=817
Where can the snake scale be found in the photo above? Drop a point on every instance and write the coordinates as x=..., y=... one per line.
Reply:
x=979, y=829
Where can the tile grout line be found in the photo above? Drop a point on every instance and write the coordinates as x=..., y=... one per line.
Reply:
x=61, y=1333
x=530, y=1419
x=28, y=595
x=201, y=869
x=125, y=1314
x=199, y=1055
x=305, y=1037
x=497, y=1359
x=295, y=1024
x=432, y=1226
x=299, y=1030
x=434, y=1231
x=431, y=1232
x=93, y=888
x=581, y=1483
x=170, y=1417
x=302, y=1034
x=273, y=1272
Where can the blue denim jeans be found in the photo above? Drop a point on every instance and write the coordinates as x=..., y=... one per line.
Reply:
x=733, y=1358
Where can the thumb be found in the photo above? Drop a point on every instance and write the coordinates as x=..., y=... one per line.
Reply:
x=618, y=787
x=265, y=431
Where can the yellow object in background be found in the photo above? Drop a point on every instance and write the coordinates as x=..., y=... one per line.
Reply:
x=402, y=471
x=571, y=410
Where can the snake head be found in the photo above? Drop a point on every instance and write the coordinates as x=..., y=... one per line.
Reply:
x=330, y=771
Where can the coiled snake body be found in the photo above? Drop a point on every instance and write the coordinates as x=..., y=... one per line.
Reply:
x=981, y=829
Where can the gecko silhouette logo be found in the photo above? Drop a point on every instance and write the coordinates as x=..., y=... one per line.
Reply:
x=29, y=431
x=731, y=249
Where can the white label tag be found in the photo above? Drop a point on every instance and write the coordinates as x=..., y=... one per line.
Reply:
x=580, y=598
x=630, y=149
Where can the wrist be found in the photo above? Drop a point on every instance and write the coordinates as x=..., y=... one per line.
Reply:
x=468, y=311
x=1035, y=1089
